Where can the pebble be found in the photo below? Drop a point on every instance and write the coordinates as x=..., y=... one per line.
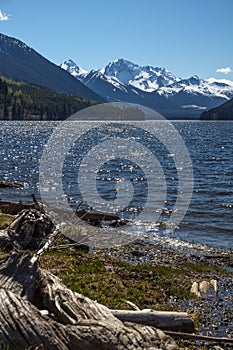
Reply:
x=216, y=310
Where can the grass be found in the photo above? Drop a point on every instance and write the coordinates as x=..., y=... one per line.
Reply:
x=111, y=281
x=5, y=220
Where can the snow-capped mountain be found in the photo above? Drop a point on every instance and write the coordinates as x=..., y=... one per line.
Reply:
x=72, y=68
x=145, y=78
x=155, y=87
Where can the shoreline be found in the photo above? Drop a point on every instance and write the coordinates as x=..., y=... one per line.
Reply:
x=147, y=249
x=214, y=312
x=152, y=276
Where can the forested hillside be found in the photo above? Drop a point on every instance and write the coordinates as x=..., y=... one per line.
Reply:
x=24, y=101
x=223, y=112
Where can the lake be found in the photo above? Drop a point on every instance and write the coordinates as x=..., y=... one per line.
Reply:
x=209, y=218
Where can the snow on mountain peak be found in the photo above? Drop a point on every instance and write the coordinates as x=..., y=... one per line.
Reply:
x=122, y=69
x=71, y=67
x=145, y=78
x=123, y=74
x=220, y=82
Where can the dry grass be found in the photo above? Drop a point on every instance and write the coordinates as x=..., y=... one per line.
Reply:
x=5, y=220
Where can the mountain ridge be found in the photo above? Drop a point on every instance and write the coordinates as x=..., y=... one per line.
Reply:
x=19, y=61
x=122, y=80
x=25, y=101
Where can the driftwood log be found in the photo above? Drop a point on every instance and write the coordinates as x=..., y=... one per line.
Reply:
x=38, y=310
x=28, y=231
x=165, y=320
x=14, y=208
x=4, y=184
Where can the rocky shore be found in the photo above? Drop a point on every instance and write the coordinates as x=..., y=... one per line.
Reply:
x=214, y=311
x=153, y=275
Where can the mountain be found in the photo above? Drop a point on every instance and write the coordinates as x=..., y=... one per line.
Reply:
x=20, y=62
x=154, y=87
x=120, y=80
x=222, y=112
x=24, y=101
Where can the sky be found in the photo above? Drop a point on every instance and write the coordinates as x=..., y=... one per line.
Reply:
x=187, y=37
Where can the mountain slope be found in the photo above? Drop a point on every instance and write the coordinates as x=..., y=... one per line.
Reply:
x=20, y=62
x=24, y=101
x=223, y=112
x=113, y=89
x=154, y=87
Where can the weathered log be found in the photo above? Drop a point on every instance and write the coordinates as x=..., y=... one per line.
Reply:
x=4, y=184
x=5, y=240
x=38, y=310
x=23, y=326
x=37, y=205
x=15, y=225
x=79, y=246
x=96, y=216
x=6, y=236
x=71, y=320
x=205, y=338
x=165, y=320
x=19, y=275
x=14, y=208
x=30, y=229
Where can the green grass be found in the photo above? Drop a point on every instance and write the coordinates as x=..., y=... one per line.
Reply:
x=5, y=220
x=111, y=282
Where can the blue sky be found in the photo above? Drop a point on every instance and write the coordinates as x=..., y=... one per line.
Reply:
x=185, y=36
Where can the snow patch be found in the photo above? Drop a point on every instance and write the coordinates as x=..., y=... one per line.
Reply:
x=121, y=73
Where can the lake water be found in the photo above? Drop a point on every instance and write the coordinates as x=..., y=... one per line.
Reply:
x=209, y=219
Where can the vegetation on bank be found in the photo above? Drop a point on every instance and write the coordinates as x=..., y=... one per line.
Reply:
x=112, y=281
x=222, y=112
x=5, y=220
x=23, y=101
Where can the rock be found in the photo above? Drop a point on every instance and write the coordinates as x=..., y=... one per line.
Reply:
x=214, y=283
x=138, y=253
x=195, y=289
x=205, y=289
